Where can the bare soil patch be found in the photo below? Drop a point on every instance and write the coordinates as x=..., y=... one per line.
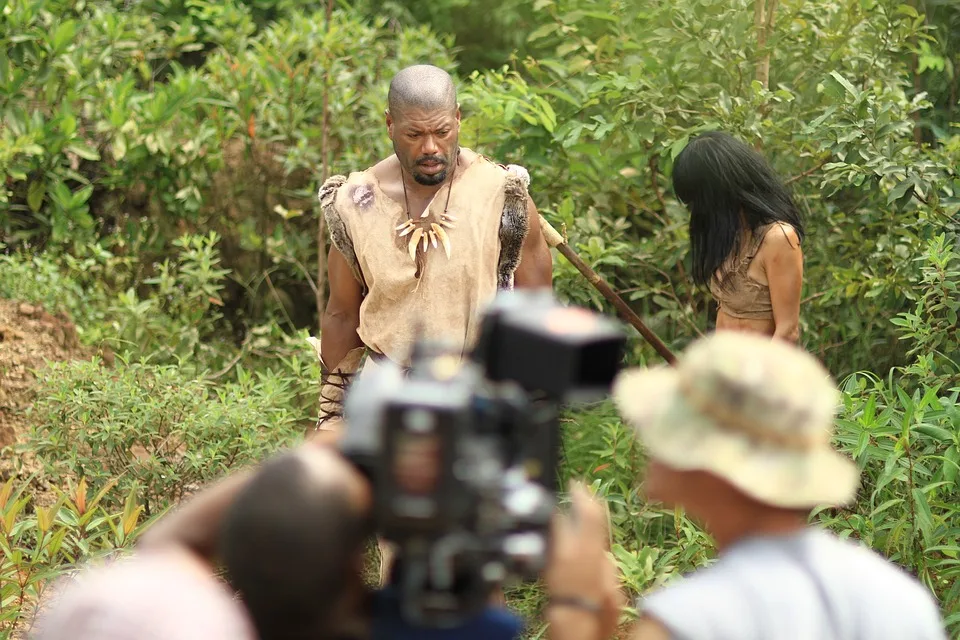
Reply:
x=30, y=338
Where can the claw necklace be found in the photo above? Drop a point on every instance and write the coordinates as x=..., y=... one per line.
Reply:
x=422, y=230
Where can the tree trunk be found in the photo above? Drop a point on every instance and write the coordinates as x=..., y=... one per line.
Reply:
x=917, y=85
x=324, y=174
x=763, y=17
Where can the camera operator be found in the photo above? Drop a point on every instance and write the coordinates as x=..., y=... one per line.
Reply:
x=739, y=436
x=291, y=535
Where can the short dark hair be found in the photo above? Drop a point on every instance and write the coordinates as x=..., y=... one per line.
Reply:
x=289, y=545
x=717, y=177
x=421, y=86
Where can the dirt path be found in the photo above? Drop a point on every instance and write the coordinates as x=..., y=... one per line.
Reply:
x=30, y=337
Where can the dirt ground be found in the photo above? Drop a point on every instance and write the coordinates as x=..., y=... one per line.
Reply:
x=30, y=337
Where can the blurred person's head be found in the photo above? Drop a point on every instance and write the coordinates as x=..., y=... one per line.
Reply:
x=738, y=431
x=728, y=188
x=293, y=543
x=166, y=593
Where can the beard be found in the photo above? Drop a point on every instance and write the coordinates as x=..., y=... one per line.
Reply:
x=433, y=179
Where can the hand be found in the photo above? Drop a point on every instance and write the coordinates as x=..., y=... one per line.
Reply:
x=580, y=566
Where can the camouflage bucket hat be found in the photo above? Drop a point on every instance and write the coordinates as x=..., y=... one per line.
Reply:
x=754, y=411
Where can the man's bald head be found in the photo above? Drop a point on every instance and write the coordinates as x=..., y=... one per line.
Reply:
x=423, y=87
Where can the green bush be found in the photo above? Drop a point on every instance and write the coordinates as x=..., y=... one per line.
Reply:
x=38, y=279
x=906, y=445
x=171, y=315
x=614, y=94
x=140, y=122
x=178, y=316
x=40, y=543
x=156, y=427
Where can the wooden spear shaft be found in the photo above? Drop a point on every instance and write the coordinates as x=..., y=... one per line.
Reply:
x=554, y=239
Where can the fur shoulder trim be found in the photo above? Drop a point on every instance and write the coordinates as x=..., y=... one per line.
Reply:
x=336, y=228
x=521, y=172
x=514, y=223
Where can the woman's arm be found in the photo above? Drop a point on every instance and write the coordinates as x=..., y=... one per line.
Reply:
x=782, y=259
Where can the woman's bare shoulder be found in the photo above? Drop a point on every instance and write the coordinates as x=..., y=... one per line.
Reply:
x=780, y=236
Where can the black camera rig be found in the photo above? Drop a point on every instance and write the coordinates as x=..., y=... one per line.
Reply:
x=463, y=455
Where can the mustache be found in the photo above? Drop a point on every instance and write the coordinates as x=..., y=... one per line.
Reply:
x=426, y=159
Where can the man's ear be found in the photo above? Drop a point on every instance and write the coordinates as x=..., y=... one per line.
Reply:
x=458, y=113
x=389, y=121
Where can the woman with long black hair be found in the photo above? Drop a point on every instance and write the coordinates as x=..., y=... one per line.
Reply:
x=745, y=235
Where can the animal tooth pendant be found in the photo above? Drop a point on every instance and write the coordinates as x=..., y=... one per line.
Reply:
x=442, y=235
x=414, y=240
x=423, y=234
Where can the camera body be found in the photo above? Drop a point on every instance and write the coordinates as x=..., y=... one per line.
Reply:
x=463, y=455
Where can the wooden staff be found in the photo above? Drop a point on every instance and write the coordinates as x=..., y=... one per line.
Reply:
x=554, y=239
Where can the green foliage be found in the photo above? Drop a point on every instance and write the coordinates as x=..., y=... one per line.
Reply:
x=906, y=445
x=178, y=316
x=171, y=316
x=69, y=77
x=40, y=543
x=626, y=90
x=156, y=428
x=932, y=326
x=486, y=34
x=121, y=123
x=38, y=279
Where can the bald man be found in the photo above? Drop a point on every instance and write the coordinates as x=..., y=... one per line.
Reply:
x=421, y=241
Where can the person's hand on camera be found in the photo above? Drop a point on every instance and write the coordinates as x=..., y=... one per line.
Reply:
x=582, y=582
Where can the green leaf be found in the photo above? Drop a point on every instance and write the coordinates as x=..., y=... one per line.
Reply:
x=62, y=37
x=131, y=513
x=81, y=196
x=924, y=518
x=601, y=15
x=951, y=466
x=678, y=146
x=119, y=147
x=84, y=151
x=542, y=32
x=937, y=433
x=845, y=84
x=35, y=193
x=907, y=10
x=900, y=190
x=547, y=115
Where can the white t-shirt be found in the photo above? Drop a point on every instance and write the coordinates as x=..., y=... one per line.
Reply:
x=804, y=586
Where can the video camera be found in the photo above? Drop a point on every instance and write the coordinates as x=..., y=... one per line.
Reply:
x=463, y=456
